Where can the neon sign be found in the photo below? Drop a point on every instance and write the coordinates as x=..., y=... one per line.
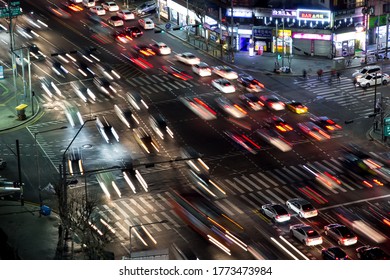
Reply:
x=313, y=14
x=284, y=13
x=310, y=36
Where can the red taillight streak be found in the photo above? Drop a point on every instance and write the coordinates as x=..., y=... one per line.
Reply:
x=333, y=178
x=240, y=109
x=200, y=102
x=281, y=128
x=310, y=195
x=367, y=184
x=314, y=135
x=250, y=141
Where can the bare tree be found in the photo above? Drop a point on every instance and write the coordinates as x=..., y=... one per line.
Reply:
x=200, y=8
x=82, y=223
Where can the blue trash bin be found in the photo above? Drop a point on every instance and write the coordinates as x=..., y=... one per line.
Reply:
x=45, y=210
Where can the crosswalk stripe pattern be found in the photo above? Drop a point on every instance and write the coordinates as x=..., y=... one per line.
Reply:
x=343, y=92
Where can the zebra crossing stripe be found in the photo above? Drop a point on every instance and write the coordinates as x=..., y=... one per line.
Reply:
x=225, y=186
x=108, y=209
x=243, y=184
x=283, y=194
x=122, y=228
x=250, y=202
x=169, y=218
x=275, y=196
x=220, y=205
x=155, y=226
x=157, y=218
x=134, y=213
x=157, y=203
x=328, y=217
x=173, y=85
x=292, y=174
x=257, y=199
x=269, y=172
x=283, y=175
x=323, y=189
x=300, y=172
x=344, y=178
x=104, y=216
x=260, y=181
x=181, y=85
x=334, y=165
x=251, y=182
x=133, y=201
x=187, y=83
x=232, y=184
x=137, y=81
x=234, y=207
x=267, y=179
x=147, y=204
x=157, y=78
x=290, y=191
x=131, y=82
x=117, y=207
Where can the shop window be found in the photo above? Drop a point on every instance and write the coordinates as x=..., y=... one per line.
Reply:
x=386, y=8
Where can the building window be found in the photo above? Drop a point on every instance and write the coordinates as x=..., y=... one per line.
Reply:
x=386, y=8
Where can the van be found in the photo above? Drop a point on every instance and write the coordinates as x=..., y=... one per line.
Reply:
x=372, y=69
x=89, y=3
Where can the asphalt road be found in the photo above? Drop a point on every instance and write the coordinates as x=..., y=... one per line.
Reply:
x=249, y=180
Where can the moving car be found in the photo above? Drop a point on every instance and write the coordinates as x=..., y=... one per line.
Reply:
x=160, y=126
x=296, y=107
x=314, y=131
x=249, y=83
x=161, y=48
x=371, y=69
x=225, y=72
x=306, y=234
x=371, y=253
x=125, y=14
x=98, y=10
x=276, y=212
x=199, y=107
x=110, y=6
x=89, y=3
x=230, y=108
x=144, y=139
x=334, y=253
x=146, y=23
x=272, y=102
x=146, y=7
x=274, y=138
x=251, y=101
x=125, y=115
x=75, y=162
x=326, y=124
x=223, y=85
x=144, y=50
x=115, y=21
x=244, y=141
x=372, y=79
x=176, y=72
x=73, y=114
x=202, y=69
x=133, y=31
x=136, y=101
x=59, y=69
x=49, y=87
x=279, y=123
x=59, y=12
x=106, y=130
x=104, y=85
x=340, y=233
x=302, y=207
x=187, y=58
x=194, y=160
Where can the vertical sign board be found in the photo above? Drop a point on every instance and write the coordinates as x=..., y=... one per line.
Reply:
x=386, y=129
x=1, y=72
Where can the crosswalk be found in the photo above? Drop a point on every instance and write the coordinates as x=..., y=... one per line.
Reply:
x=343, y=92
x=148, y=85
x=253, y=190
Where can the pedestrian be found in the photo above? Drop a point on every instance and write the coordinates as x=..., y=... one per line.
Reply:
x=333, y=73
x=304, y=74
x=354, y=82
x=319, y=74
x=338, y=76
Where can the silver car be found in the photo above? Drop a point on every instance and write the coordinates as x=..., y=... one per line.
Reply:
x=302, y=207
x=340, y=233
x=276, y=212
x=306, y=234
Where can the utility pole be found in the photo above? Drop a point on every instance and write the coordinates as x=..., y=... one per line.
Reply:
x=232, y=32
x=19, y=173
x=387, y=34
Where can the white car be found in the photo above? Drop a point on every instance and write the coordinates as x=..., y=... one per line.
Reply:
x=98, y=10
x=188, y=58
x=115, y=21
x=225, y=72
x=146, y=23
x=275, y=139
x=110, y=6
x=161, y=48
x=372, y=79
x=223, y=85
x=232, y=109
x=306, y=234
x=302, y=207
x=276, y=212
x=272, y=102
x=125, y=14
x=202, y=69
x=314, y=131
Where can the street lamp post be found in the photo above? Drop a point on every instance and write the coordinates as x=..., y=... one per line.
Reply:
x=141, y=225
x=37, y=158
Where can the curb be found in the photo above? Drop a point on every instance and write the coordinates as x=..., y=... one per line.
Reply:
x=33, y=117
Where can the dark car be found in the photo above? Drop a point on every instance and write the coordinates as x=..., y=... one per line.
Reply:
x=3, y=163
x=36, y=53
x=327, y=124
x=160, y=126
x=334, y=253
x=176, y=72
x=133, y=31
x=251, y=101
x=340, y=233
x=250, y=83
x=371, y=253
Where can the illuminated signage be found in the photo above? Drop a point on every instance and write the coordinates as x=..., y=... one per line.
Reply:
x=237, y=12
x=313, y=14
x=310, y=36
x=284, y=33
x=284, y=13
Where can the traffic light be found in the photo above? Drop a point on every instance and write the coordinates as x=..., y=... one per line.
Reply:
x=197, y=25
x=159, y=31
x=279, y=56
x=178, y=28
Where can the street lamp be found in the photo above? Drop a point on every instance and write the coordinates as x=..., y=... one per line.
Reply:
x=142, y=225
x=37, y=157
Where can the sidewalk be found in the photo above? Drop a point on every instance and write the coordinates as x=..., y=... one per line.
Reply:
x=24, y=235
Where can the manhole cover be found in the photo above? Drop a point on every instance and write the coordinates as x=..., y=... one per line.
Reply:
x=87, y=146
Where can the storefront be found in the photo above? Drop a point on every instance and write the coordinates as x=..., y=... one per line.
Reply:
x=162, y=8
x=312, y=43
x=262, y=39
x=178, y=14
x=282, y=43
x=344, y=43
